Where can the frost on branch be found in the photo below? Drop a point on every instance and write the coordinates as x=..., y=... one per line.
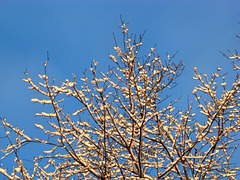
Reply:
x=126, y=126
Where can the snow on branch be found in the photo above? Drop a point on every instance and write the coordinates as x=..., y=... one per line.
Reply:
x=127, y=126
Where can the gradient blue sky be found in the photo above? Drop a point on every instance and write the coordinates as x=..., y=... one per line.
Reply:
x=74, y=32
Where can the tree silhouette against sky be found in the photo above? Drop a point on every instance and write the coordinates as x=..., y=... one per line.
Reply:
x=127, y=125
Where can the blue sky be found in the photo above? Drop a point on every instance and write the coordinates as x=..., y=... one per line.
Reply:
x=74, y=32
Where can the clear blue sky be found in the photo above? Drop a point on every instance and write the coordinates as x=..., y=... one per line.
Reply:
x=74, y=32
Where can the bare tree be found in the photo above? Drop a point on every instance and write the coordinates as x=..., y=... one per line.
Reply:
x=127, y=127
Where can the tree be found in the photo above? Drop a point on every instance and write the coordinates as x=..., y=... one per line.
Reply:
x=135, y=129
